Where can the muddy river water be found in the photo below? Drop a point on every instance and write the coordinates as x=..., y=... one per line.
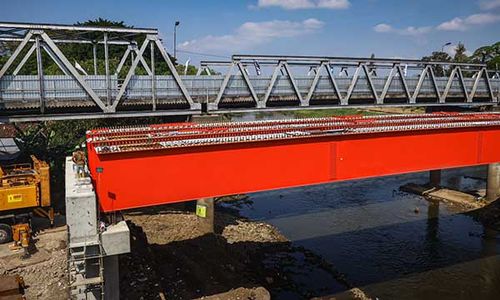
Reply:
x=390, y=244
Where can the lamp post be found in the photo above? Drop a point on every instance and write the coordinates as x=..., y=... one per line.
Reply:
x=177, y=23
x=447, y=44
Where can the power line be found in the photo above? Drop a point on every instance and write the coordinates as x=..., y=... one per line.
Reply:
x=204, y=54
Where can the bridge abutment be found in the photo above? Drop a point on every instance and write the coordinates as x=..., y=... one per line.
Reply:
x=94, y=248
x=493, y=185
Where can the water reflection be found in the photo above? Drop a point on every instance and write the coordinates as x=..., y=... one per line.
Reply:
x=393, y=245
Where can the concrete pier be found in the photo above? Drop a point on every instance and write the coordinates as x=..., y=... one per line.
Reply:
x=205, y=211
x=493, y=185
x=93, y=247
x=435, y=178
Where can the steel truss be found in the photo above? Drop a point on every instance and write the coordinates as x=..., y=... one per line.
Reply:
x=47, y=37
x=360, y=82
x=362, y=67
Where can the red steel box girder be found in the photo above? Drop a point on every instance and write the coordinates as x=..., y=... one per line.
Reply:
x=159, y=164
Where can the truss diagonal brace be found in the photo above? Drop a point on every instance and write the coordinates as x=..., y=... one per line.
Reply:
x=143, y=61
x=56, y=60
x=294, y=85
x=130, y=73
x=342, y=100
x=16, y=53
x=223, y=87
x=248, y=82
x=24, y=60
x=74, y=72
x=123, y=60
x=269, y=90
x=176, y=76
x=314, y=83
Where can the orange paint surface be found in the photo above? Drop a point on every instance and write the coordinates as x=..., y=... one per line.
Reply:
x=146, y=178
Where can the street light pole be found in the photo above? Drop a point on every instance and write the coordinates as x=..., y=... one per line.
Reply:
x=447, y=44
x=177, y=23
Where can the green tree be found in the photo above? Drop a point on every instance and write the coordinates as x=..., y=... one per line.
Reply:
x=489, y=55
x=439, y=57
x=83, y=54
x=461, y=54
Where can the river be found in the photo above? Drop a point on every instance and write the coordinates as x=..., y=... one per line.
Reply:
x=390, y=244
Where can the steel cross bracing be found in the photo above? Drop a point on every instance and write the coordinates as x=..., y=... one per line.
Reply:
x=247, y=82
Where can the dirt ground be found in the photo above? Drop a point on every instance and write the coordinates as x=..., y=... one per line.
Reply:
x=44, y=273
x=172, y=259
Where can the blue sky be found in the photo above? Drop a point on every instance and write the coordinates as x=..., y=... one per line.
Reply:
x=388, y=28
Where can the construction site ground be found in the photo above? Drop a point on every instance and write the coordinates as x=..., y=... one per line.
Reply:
x=45, y=271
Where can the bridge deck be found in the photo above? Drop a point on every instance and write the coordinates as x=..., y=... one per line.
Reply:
x=158, y=164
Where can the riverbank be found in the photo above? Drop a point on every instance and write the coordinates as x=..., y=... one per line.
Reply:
x=172, y=259
x=472, y=203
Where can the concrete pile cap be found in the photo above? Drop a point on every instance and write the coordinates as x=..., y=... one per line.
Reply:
x=183, y=135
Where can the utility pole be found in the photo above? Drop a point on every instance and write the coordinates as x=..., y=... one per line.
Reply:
x=177, y=23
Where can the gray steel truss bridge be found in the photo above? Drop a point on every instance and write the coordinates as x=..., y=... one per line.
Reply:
x=136, y=86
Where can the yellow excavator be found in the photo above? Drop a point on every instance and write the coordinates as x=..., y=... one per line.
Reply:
x=24, y=191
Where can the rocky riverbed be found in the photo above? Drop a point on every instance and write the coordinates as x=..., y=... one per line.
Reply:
x=172, y=259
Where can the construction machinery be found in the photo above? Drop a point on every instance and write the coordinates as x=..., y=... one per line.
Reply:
x=24, y=191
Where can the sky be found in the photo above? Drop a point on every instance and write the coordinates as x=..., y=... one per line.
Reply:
x=215, y=29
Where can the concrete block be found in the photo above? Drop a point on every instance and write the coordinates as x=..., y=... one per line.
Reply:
x=81, y=207
x=116, y=239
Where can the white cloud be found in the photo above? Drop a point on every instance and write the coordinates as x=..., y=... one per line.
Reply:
x=383, y=28
x=253, y=34
x=462, y=24
x=410, y=31
x=456, y=24
x=489, y=4
x=305, y=4
x=452, y=49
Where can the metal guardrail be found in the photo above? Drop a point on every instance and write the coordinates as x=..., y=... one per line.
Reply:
x=278, y=82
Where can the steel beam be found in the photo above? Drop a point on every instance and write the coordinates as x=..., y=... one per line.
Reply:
x=41, y=81
x=14, y=55
x=74, y=72
x=223, y=87
x=106, y=70
x=270, y=87
x=153, y=76
x=332, y=59
x=294, y=84
x=130, y=73
x=54, y=27
x=24, y=60
x=176, y=76
x=94, y=54
x=243, y=72
x=54, y=57
x=123, y=60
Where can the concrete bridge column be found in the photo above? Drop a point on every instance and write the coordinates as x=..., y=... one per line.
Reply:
x=435, y=178
x=493, y=186
x=205, y=212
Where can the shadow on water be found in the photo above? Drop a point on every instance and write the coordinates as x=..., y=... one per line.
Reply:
x=392, y=245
